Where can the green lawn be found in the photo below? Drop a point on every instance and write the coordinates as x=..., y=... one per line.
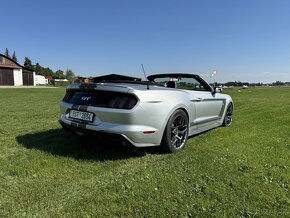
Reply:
x=241, y=171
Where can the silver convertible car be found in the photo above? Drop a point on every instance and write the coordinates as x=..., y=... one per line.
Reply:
x=165, y=110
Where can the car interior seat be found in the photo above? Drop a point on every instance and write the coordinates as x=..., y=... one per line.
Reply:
x=171, y=84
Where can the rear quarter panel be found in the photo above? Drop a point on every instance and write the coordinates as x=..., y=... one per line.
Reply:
x=158, y=105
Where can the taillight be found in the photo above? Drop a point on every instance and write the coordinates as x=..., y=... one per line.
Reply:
x=130, y=103
x=104, y=99
x=122, y=102
x=65, y=98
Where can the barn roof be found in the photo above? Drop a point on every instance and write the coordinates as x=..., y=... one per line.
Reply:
x=10, y=63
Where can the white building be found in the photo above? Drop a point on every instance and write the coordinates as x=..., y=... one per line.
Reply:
x=40, y=80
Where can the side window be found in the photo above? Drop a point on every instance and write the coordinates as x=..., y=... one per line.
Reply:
x=162, y=81
x=190, y=84
x=180, y=83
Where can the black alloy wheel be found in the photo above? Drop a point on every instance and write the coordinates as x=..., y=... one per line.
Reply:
x=228, y=120
x=176, y=132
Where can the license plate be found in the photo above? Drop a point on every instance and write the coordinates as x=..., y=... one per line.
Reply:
x=81, y=115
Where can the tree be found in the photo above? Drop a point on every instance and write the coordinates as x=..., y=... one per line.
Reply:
x=7, y=52
x=70, y=76
x=14, y=56
x=278, y=83
x=48, y=72
x=59, y=74
x=27, y=62
x=38, y=69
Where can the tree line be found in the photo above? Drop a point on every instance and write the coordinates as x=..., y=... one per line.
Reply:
x=70, y=76
x=239, y=83
x=44, y=71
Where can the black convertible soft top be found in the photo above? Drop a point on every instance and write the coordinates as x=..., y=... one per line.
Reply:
x=151, y=80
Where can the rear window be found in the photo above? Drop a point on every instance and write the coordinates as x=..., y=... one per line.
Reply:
x=101, y=99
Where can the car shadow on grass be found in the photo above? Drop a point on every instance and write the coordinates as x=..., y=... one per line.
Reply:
x=59, y=142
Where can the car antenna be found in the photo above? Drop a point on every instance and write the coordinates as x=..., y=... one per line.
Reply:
x=145, y=76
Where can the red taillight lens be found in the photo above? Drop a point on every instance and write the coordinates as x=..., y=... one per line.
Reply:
x=148, y=132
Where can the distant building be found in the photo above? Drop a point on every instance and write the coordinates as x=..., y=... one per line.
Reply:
x=81, y=79
x=40, y=80
x=60, y=82
x=49, y=79
x=14, y=74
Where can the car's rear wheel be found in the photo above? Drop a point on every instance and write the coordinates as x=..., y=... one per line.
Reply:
x=228, y=119
x=176, y=132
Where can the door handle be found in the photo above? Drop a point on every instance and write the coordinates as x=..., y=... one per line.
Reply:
x=197, y=99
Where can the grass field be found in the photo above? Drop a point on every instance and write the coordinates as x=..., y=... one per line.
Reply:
x=241, y=171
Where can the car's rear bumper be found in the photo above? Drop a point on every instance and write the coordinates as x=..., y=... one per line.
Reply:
x=84, y=132
x=138, y=136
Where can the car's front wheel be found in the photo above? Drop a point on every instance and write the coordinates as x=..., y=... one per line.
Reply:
x=228, y=119
x=176, y=132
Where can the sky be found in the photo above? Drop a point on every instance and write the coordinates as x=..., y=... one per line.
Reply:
x=244, y=40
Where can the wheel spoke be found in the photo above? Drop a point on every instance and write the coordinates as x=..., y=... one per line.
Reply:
x=174, y=130
x=179, y=138
x=182, y=131
x=174, y=142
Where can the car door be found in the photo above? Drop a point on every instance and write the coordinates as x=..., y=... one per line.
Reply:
x=208, y=106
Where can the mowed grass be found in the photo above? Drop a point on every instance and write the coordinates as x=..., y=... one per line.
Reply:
x=240, y=171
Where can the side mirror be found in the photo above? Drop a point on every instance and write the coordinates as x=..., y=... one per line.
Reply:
x=217, y=90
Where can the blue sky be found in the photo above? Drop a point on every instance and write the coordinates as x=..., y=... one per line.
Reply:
x=244, y=40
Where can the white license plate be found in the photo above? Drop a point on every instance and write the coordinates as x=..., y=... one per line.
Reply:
x=81, y=115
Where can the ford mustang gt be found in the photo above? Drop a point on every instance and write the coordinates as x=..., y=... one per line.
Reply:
x=165, y=110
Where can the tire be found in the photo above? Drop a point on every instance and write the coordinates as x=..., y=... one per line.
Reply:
x=176, y=132
x=228, y=119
